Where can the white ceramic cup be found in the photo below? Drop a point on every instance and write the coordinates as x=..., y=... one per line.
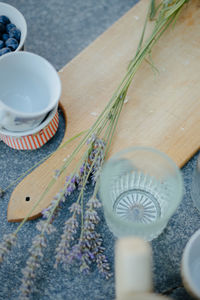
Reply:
x=30, y=87
x=16, y=18
x=190, y=267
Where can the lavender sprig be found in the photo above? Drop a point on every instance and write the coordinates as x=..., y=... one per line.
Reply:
x=9, y=240
x=63, y=253
x=91, y=241
x=97, y=156
x=89, y=248
x=39, y=241
x=33, y=262
x=63, y=249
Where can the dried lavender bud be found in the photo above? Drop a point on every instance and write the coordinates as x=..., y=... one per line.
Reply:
x=71, y=183
x=9, y=240
x=89, y=248
x=84, y=268
x=56, y=174
x=29, y=272
x=82, y=168
x=96, y=158
x=75, y=208
x=63, y=249
x=73, y=255
x=93, y=203
x=91, y=139
x=69, y=189
x=46, y=227
x=53, y=207
x=92, y=216
x=103, y=266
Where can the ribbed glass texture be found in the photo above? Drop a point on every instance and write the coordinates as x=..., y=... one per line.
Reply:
x=140, y=189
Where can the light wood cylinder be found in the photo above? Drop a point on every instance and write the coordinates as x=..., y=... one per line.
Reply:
x=143, y=296
x=133, y=267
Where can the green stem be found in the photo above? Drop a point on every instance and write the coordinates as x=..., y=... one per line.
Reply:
x=114, y=127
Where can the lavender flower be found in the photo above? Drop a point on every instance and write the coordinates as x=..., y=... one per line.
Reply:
x=33, y=262
x=91, y=218
x=63, y=249
x=46, y=227
x=96, y=158
x=89, y=247
x=83, y=174
x=92, y=251
x=84, y=268
x=103, y=265
x=91, y=241
x=29, y=272
x=53, y=209
x=93, y=202
x=70, y=185
x=69, y=189
x=93, y=162
x=46, y=213
x=9, y=240
x=82, y=168
x=75, y=208
x=91, y=139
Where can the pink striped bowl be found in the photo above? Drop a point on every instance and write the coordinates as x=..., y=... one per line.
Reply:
x=32, y=141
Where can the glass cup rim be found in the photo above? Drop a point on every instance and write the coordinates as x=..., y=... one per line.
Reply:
x=180, y=185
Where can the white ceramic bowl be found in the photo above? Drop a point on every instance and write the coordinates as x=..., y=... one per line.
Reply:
x=30, y=87
x=16, y=18
x=190, y=268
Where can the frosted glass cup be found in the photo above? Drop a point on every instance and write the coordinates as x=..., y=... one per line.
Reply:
x=140, y=189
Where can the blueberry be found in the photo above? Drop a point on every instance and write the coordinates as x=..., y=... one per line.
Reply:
x=9, y=27
x=4, y=51
x=2, y=28
x=5, y=36
x=1, y=44
x=12, y=43
x=15, y=33
x=5, y=20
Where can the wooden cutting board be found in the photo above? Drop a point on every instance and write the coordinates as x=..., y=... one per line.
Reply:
x=163, y=110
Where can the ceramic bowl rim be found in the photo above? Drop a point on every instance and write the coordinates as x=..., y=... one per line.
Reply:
x=185, y=270
x=13, y=8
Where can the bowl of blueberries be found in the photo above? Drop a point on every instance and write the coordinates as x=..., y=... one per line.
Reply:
x=13, y=29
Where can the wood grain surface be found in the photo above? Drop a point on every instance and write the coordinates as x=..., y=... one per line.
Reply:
x=163, y=109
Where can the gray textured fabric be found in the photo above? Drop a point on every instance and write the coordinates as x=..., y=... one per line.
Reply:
x=58, y=30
